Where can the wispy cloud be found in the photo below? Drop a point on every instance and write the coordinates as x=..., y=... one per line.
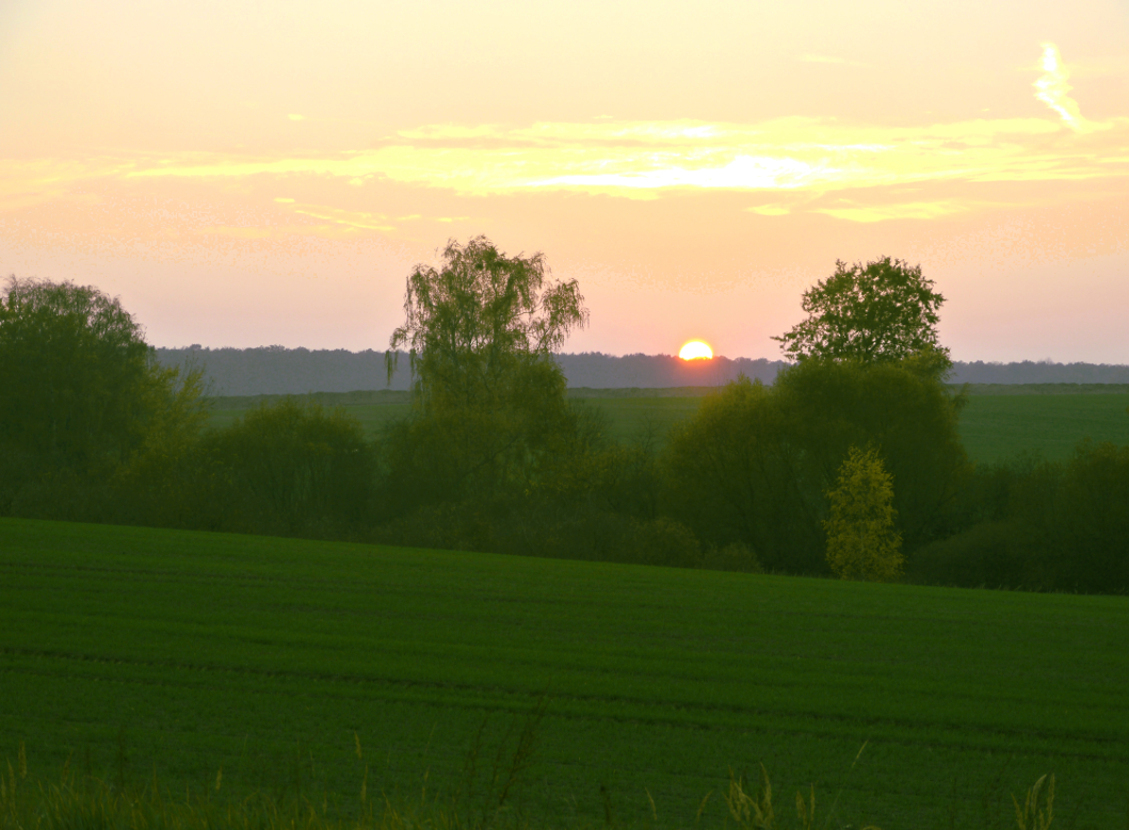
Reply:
x=1053, y=90
x=642, y=159
x=786, y=165
x=895, y=210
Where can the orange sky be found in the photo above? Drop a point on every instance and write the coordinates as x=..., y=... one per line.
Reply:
x=254, y=173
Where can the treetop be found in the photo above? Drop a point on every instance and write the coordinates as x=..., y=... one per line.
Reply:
x=885, y=310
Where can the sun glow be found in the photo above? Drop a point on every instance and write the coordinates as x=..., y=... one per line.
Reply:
x=696, y=350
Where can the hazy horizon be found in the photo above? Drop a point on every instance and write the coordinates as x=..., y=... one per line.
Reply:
x=574, y=353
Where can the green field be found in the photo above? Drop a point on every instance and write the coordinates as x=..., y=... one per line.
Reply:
x=137, y=651
x=997, y=427
x=998, y=422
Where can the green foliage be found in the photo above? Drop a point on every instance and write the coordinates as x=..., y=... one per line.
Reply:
x=289, y=467
x=486, y=449
x=74, y=374
x=1092, y=520
x=861, y=540
x=1075, y=521
x=469, y=322
x=883, y=311
x=1039, y=525
x=160, y=483
x=986, y=555
x=909, y=417
x=755, y=463
x=490, y=400
x=731, y=475
x=81, y=398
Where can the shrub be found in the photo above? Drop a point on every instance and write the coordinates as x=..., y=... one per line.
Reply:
x=986, y=555
x=293, y=468
x=1091, y=535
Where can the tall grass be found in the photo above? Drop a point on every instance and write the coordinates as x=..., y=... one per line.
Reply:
x=80, y=801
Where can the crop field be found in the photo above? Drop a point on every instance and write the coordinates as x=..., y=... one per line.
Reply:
x=997, y=427
x=291, y=663
x=996, y=424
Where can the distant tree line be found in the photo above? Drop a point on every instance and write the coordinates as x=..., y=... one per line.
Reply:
x=275, y=370
x=849, y=463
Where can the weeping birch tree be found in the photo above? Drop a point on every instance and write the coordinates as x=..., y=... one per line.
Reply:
x=480, y=331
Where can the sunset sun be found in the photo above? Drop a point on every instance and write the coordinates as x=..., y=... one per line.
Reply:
x=696, y=350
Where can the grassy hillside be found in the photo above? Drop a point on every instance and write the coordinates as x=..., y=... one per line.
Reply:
x=136, y=650
x=998, y=422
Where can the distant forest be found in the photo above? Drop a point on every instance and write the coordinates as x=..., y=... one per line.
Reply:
x=274, y=370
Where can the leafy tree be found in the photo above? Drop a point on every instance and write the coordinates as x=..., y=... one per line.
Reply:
x=159, y=484
x=733, y=474
x=79, y=387
x=470, y=322
x=907, y=415
x=754, y=464
x=883, y=311
x=490, y=398
x=72, y=368
x=861, y=540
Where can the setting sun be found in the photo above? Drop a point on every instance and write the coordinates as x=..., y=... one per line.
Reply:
x=696, y=350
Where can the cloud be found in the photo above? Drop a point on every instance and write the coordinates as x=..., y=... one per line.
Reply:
x=1052, y=89
x=786, y=165
x=770, y=210
x=347, y=220
x=642, y=159
x=339, y=222
x=745, y=172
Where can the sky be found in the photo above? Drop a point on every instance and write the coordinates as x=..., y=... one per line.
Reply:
x=254, y=173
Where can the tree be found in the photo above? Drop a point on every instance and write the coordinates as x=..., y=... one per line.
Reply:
x=732, y=473
x=906, y=415
x=78, y=383
x=489, y=397
x=81, y=398
x=470, y=322
x=754, y=464
x=861, y=540
x=885, y=311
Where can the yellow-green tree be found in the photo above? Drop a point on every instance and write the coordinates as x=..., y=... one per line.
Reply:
x=861, y=540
